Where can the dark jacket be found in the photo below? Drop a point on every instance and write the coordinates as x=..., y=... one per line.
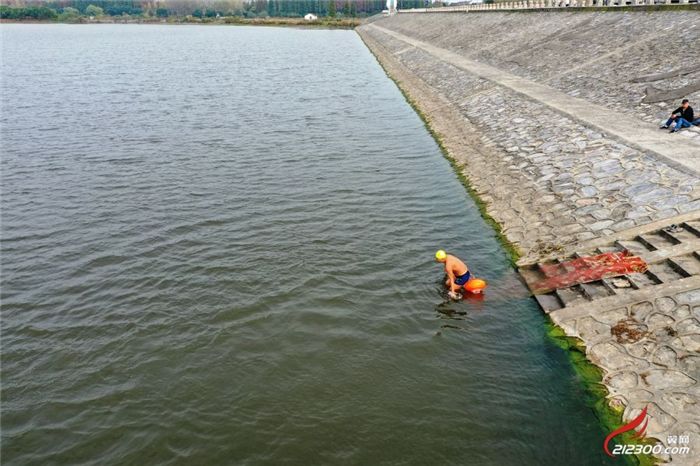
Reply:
x=686, y=114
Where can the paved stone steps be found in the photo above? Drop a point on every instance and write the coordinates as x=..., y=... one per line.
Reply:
x=659, y=273
x=595, y=290
x=604, y=249
x=672, y=252
x=665, y=272
x=543, y=271
x=690, y=263
x=571, y=296
x=549, y=302
x=656, y=241
x=679, y=235
x=642, y=280
x=693, y=226
x=633, y=246
x=684, y=266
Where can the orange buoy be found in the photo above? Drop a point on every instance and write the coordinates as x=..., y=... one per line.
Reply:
x=475, y=285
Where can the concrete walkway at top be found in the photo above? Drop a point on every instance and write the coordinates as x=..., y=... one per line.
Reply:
x=679, y=153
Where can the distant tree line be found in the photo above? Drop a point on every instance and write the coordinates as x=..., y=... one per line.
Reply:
x=67, y=9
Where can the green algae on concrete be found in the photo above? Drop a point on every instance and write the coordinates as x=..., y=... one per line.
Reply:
x=591, y=376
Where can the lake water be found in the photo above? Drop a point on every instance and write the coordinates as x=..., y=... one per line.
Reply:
x=217, y=248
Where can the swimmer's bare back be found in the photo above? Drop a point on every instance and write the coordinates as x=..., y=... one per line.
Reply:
x=455, y=265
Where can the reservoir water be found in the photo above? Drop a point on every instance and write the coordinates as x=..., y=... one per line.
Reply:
x=217, y=248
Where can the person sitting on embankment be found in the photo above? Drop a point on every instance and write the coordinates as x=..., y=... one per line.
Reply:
x=683, y=116
x=457, y=272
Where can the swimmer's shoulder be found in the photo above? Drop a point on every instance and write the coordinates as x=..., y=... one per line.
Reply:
x=457, y=261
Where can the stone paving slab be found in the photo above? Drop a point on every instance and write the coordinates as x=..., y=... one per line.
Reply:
x=628, y=234
x=681, y=154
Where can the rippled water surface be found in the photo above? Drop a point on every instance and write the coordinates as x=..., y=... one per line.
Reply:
x=217, y=249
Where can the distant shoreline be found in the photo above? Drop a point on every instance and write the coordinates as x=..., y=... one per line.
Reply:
x=227, y=21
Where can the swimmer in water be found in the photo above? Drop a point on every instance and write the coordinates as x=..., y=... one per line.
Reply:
x=457, y=272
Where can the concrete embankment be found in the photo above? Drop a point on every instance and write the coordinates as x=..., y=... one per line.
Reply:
x=553, y=119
